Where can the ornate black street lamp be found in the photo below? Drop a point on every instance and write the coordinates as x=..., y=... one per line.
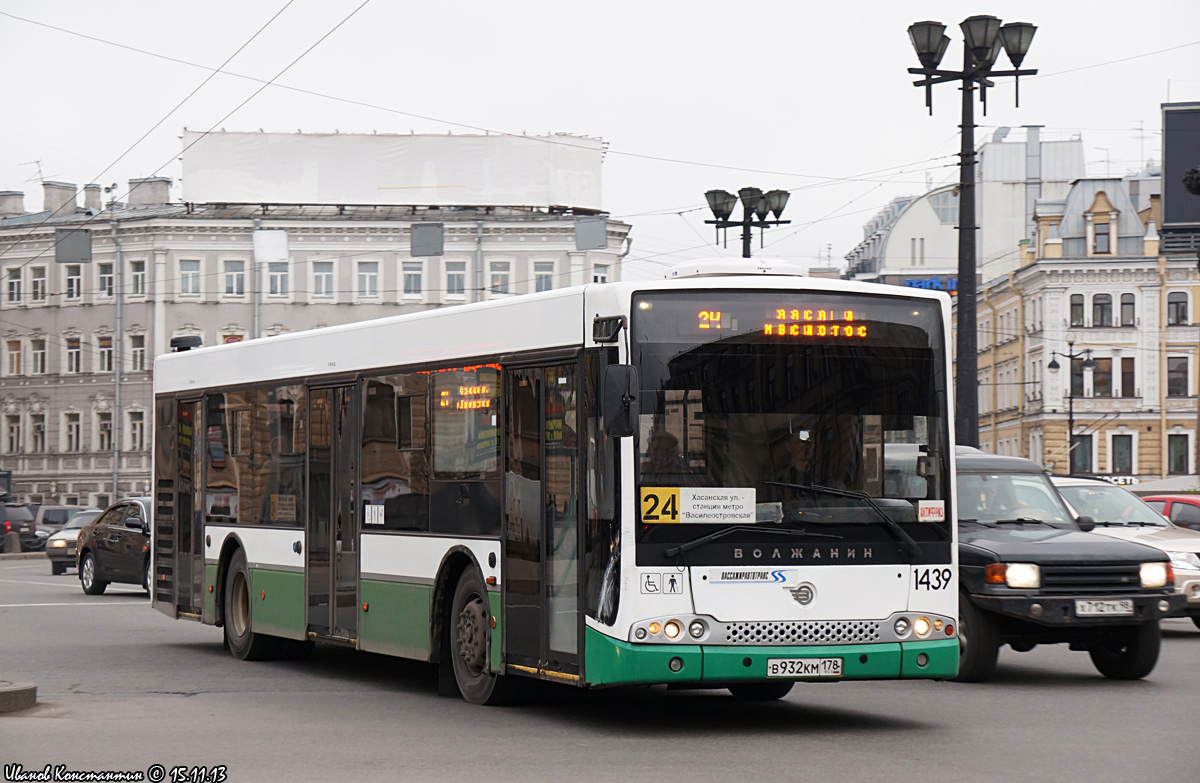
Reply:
x=1088, y=364
x=756, y=205
x=983, y=37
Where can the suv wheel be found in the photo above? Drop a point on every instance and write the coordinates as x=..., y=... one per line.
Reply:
x=978, y=642
x=1127, y=653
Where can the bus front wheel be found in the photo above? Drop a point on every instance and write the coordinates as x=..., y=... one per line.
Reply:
x=761, y=691
x=243, y=642
x=469, y=635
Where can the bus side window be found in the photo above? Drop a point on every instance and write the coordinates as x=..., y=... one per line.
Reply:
x=394, y=464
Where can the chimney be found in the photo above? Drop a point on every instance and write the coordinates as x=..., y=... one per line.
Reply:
x=12, y=203
x=149, y=192
x=58, y=198
x=92, y=198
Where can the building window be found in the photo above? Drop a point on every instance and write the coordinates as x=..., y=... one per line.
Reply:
x=1101, y=236
x=38, y=425
x=543, y=275
x=13, y=434
x=74, y=356
x=368, y=279
x=13, y=349
x=277, y=278
x=137, y=352
x=1081, y=454
x=14, y=284
x=1102, y=378
x=499, y=275
x=1177, y=376
x=1077, y=377
x=945, y=204
x=104, y=279
x=137, y=431
x=412, y=278
x=1177, y=309
x=1128, y=382
x=104, y=429
x=104, y=356
x=1102, y=310
x=74, y=432
x=137, y=278
x=323, y=278
x=37, y=284
x=600, y=273
x=456, y=279
x=1122, y=454
x=1076, y=309
x=74, y=282
x=1177, y=453
x=235, y=278
x=1128, y=315
x=189, y=278
x=37, y=357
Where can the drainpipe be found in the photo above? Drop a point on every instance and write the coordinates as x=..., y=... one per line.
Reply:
x=118, y=358
x=255, y=282
x=478, y=293
x=1162, y=369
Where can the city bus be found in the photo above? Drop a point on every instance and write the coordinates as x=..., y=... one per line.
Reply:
x=734, y=477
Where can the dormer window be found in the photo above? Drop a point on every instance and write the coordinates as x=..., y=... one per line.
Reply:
x=1101, y=243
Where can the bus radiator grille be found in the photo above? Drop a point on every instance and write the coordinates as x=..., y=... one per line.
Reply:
x=803, y=632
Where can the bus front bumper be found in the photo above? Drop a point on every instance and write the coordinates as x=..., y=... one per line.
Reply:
x=610, y=661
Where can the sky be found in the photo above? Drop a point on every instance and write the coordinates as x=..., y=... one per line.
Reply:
x=813, y=98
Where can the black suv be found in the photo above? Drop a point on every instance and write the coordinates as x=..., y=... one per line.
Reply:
x=16, y=518
x=1030, y=574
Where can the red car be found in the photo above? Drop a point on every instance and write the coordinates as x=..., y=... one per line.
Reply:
x=1183, y=510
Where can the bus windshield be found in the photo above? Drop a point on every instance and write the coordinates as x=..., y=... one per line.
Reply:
x=803, y=406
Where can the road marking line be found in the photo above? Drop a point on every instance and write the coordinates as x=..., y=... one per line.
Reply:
x=43, y=584
x=76, y=603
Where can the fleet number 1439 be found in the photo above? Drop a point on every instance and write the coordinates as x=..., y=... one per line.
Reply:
x=931, y=578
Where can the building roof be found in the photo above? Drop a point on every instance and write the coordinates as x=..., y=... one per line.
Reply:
x=1083, y=195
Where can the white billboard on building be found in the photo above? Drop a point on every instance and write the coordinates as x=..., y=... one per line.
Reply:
x=340, y=168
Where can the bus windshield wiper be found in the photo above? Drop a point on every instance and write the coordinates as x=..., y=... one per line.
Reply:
x=779, y=531
x=905, y=539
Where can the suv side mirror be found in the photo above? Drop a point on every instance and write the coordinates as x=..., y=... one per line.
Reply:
x=619, y=400
x=1086, y=524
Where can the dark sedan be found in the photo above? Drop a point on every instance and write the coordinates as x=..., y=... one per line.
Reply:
x=115, y=547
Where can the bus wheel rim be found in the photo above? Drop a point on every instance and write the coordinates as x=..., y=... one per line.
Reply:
x=472, y=639
x=240, y=616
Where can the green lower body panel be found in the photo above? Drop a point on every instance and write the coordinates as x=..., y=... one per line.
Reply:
x=396, y=620
x=611, y=661
x=497, y=653
x=277, y=603
x=210, y=594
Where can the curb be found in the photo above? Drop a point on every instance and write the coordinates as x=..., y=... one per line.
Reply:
x=16, y=696
x=23, y=556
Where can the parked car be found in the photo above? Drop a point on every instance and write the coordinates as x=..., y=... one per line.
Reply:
x=1030, y=574
x=52, y=518
x=1122, y=514
x=1183, y=510
x=16, y=518
x=115, y=547
x=60, y=546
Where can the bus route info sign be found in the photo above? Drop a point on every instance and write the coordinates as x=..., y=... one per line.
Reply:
x=697, y=505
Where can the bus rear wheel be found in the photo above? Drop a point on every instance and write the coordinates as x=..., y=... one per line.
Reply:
x=469, y=637
x=243, y=642
x=761, y=691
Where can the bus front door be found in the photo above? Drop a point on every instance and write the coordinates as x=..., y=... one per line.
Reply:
x=332, y=556
x=541, y=579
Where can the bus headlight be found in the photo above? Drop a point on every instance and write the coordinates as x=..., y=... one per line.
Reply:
x=672, y=629
x=1156, y=574
x=902, y=626
x=921, y=626
x=696, y=629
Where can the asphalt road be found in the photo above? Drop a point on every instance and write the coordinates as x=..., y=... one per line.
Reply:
x=122, y=687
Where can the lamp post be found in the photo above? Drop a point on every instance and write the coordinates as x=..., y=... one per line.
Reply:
x=983, y=37
x=1088, y=364
x=756, y=205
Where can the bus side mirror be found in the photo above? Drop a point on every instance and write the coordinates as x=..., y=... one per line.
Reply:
x=619, y=400
x=1086, y=524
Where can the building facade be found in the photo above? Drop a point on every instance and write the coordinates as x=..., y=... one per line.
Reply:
x=79, y=338
x=1095, y=334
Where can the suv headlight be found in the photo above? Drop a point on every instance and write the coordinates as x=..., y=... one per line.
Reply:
x=1156, y=574
x=1020, y=575
x=1185, y=560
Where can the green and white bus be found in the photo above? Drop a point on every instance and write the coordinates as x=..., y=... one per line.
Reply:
x=735, y=477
